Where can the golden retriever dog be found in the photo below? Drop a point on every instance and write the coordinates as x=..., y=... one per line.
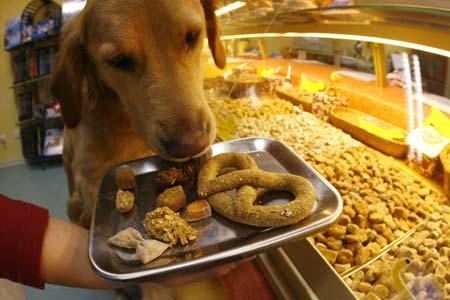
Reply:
x=129, y=78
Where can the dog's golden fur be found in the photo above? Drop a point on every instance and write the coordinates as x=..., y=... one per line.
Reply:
x=129, y=78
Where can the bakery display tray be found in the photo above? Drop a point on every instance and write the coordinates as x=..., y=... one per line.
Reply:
x=220, y=240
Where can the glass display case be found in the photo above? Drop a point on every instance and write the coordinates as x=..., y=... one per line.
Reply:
x=360, y=90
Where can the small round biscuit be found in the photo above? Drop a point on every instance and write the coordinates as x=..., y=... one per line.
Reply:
x=198, y=210
x=125, y=178
x=124, y=201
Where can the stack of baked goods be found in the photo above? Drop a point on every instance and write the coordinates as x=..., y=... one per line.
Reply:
x=126, y=185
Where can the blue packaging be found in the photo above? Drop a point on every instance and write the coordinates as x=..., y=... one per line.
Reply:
x=40, y=30
x=12, y=34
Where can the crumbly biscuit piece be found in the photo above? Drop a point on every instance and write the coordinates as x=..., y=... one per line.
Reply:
x=166, y=225
x=149, y=250
x=198, y=210
x=174, y=198
x=128, y=238
x=125, y=178
x=174, y=176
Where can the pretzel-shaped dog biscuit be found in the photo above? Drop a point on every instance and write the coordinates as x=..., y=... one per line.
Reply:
x=241, y=208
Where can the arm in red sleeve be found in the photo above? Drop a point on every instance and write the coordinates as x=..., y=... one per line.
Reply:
x=35, y=248
x=22, y=229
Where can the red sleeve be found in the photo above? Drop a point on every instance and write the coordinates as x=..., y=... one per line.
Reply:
x=22, y=228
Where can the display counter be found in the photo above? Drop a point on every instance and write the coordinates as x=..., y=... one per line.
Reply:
x=388, y=104
x=391, y=240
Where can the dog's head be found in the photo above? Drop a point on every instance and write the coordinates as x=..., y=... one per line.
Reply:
x=146, y=56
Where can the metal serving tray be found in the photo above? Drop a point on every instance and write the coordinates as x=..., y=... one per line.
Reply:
x=220, y=240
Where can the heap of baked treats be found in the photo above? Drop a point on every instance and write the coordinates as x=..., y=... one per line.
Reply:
x=220, y=174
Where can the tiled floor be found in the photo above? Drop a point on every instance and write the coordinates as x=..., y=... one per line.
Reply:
x=45, y=187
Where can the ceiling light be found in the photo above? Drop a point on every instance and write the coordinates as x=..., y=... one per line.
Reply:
x=230, y=7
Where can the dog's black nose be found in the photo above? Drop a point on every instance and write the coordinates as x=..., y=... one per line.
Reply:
x=187, y=145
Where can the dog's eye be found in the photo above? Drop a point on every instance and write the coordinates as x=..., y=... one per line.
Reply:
x=192, y=37
x=122, y=62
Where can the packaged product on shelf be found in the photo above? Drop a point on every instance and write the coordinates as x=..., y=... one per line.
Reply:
x=52, y=110
x=444, y=157
x=12, y=34
x=439, y=121
x=27, y=33
x=40, y=30
x=45, y=28
x=53, y=144
x=25, y=105
x=425, y=145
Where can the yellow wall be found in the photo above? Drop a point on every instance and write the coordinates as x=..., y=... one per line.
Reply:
x=10, y=151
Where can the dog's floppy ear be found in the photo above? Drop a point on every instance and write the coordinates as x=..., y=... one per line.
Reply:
x=68, y=74
x=213, y=32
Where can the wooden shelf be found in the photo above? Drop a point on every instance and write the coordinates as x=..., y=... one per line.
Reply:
x=39, y=43
x=34, y=121
x=30, y=81
x=44, y=159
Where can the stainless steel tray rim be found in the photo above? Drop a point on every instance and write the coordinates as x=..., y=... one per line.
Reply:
x=219, y=258
x=253, y=144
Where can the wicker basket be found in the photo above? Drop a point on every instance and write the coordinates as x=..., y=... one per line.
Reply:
x=304, y=102
x=444, y=156
x=347, y=120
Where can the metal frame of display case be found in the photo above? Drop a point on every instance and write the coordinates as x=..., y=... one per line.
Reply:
x=297, y=271
x=411, y=24
x=427, y=27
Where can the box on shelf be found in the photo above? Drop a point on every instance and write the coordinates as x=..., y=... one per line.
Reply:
x=53, y=144
x=12, y=34
x=25, y=105
x=445, y=160
x=28, y=136
x=44, y=28
x=425, y=146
